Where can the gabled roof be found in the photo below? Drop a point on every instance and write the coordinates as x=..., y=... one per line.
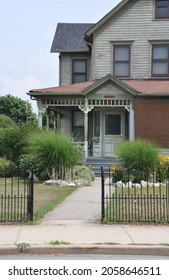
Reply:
x=69, y=37
x=105, y=18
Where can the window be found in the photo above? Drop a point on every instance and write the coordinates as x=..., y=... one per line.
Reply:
x=162, y=9
x=121, y=63
x=160, y=61
x=112, y=124
x=78, y=126
x=79, y=71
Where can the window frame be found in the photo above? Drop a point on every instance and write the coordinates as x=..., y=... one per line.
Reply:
x=76, y=137
x=113, y=131
x=79, y=73
x=118, y=62
x=156, y=10
x=159, y=61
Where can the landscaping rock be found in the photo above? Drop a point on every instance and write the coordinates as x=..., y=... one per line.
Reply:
x=129, y=184
x=120, y=184
x=50, y=182
x=143, y=183
x=72, y=184
x=136, y=185
x=64, y=184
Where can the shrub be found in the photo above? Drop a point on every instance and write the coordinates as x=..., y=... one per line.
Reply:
x=84, y=174
x=138, y=155
x=54, y=152
x=162, y=172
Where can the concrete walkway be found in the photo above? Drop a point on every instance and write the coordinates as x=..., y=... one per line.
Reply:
x=82, y=205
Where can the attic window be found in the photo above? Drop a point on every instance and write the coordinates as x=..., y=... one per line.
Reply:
x=162, y=9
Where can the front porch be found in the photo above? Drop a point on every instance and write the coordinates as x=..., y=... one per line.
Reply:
x=98, y=114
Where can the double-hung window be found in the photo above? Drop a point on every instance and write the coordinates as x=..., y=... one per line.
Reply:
x=162, y=9
x=160, y=60
x=79, y=70
x=121, y=60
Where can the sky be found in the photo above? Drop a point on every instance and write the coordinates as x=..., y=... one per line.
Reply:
x=26, y=33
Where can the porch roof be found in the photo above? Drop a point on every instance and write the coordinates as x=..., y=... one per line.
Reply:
x=149, y=87
x=64, y=90
x=137, y=86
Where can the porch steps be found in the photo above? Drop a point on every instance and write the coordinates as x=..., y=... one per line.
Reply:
x=95, y=164
x=164, y=152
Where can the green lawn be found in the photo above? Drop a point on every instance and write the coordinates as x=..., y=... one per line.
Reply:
x=45, y=197
x=146, y=204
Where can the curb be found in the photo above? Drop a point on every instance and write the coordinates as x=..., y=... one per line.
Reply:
x=86, y=249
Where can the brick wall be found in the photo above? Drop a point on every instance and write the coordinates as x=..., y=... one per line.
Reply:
x=152, y=121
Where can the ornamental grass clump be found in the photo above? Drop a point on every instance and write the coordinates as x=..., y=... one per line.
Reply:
x=138, y=155
x=54, y=152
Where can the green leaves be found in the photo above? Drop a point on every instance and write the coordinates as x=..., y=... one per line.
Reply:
x=15, y=108
x=54, y=151
x=139, y=154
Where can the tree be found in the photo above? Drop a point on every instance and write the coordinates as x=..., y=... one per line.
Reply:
x=17, y=109
x=14, y=142
x=6, y=121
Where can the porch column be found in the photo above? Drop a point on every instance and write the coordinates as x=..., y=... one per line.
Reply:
x=47, y=118
x=54, y=124
x=40, y=112
x=86, y=109
x=131, y=122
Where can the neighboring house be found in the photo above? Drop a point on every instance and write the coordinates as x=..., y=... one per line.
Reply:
x=113, y=79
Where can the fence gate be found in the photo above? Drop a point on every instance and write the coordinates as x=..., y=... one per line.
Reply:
x=135, y=200
x=16, y=197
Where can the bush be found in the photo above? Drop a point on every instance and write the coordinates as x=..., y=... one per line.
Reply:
x=54, y=152
x=162, y=172
x=138, y=155
x=83, y=174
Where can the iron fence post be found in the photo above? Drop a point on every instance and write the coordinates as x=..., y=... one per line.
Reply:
x=102, y=195
x=31, y=197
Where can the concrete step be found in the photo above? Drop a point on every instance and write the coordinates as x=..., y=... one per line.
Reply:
x=95, y=164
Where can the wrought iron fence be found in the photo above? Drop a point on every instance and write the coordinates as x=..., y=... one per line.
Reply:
x=16, y=196
x=142, y=196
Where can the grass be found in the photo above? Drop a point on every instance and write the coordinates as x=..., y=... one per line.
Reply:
x=57, y=243
x=45, y=197
x=137, y=205
x=108, y=243
x=48, y=197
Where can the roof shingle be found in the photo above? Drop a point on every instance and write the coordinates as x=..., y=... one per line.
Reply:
x=69, y=37
x=142, y=87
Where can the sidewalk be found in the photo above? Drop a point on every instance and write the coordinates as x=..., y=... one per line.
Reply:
x=76, y=220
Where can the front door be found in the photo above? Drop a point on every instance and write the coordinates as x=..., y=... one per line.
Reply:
x=113, y=132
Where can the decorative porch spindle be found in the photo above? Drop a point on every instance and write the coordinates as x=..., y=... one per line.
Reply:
x=86, y=109
x=40, y=112
x=131, y=122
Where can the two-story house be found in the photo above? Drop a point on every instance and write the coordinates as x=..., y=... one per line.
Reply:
x=113, y=78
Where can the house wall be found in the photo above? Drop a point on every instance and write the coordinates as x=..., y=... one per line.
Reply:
x=66, y=121
x=133, y=24
x=151, y=121
x=65, y=67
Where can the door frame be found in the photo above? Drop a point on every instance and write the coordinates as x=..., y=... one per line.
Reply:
x=121, y=136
